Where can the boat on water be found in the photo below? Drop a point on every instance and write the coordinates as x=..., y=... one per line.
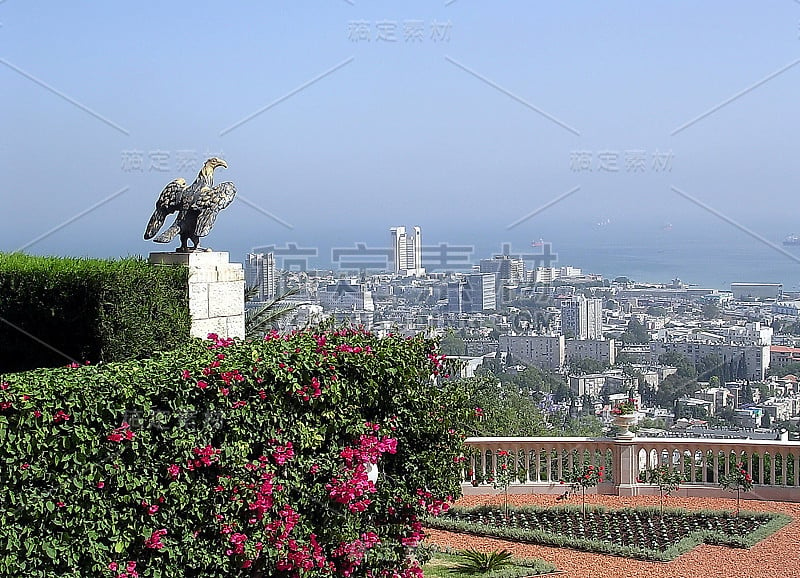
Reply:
x=539, y=243
x=793, y=239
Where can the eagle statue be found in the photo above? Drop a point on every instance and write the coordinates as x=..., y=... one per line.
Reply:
x=197, y=206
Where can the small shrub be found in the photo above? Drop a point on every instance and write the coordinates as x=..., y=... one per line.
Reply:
x=580, y=478
x=737, y=480
x=476, y=562
x=667, y=479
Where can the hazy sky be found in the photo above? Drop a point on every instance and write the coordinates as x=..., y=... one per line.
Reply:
x=342, y=118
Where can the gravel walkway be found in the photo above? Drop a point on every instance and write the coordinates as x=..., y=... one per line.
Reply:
x=775, y=557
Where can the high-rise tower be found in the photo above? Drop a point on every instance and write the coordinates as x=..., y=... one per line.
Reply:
x=259, y=270
x=407, y=251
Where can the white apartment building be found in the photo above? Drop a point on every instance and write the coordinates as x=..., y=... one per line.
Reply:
x=407, y=251
x=259, y=271
x=543, y=351
x=582, y=318
x=756, y=357
x=601, y=350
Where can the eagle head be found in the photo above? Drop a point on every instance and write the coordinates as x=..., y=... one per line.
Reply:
x=215, y=162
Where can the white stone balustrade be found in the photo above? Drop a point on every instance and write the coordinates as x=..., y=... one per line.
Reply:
x=543, y=461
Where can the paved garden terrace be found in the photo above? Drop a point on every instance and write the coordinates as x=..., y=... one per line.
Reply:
x=542, y=461
x=777, y=556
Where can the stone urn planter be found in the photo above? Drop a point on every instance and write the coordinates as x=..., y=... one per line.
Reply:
x=623, y=422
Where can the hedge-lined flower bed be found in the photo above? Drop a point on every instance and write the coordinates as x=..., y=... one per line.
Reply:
x=636, y=533
x=229, y=459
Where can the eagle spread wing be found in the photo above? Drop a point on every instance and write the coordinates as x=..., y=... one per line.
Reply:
x=169, y=201
x=209, y=203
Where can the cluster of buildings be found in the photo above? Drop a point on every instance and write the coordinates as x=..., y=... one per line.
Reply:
x=553, y=318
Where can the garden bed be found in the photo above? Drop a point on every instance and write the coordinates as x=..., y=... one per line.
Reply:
x=640, y=533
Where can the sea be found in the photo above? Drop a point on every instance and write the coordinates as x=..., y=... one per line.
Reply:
x=710, y=256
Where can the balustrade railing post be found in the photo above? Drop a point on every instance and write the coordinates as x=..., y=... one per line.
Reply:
x=626, y=467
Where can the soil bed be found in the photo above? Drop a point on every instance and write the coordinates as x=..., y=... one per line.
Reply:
x=633, y=529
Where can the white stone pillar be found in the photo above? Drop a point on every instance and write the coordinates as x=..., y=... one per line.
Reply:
x=216, y=291
x=626, y=467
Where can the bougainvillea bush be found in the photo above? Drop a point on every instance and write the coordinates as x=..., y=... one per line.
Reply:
x=230, y=459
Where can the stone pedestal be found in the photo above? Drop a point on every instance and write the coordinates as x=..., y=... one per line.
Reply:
x=216, y=291
x=626, y=467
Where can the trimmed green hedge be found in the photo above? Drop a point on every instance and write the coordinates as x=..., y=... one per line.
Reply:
x=228, y=459
x=55, y=311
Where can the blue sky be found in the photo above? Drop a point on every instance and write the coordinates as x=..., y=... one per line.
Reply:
x=495, y=110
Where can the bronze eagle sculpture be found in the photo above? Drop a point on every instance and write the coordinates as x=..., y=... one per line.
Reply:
x=197, y=205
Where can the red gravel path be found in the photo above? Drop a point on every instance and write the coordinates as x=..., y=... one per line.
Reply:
x=778, y=556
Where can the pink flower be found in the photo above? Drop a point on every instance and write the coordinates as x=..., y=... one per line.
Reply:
x=121, y=433
x=185, y=374
x=101, y=485
x=61, y=416
x=173, y=470
x=154, y=541
x=202, y=384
